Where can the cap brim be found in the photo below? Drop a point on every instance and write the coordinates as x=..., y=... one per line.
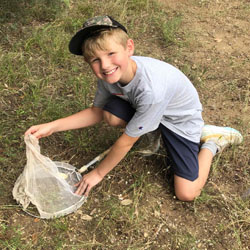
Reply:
x=75, y=44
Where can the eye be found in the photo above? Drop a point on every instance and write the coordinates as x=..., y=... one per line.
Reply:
x=93, y=60
x=111, y=53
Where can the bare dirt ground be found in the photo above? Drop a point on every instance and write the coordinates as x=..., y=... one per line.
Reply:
x=218, y=58
x=221, y=46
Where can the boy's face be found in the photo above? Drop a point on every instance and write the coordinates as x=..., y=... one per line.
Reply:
x=114, y=64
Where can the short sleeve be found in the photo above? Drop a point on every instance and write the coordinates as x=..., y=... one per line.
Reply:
x=101, y=95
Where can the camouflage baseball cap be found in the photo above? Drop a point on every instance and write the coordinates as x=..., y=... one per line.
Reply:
x=90, y=27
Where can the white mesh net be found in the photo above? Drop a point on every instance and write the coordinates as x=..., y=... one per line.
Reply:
x=47, y=184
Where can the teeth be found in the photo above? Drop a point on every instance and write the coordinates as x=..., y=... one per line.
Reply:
x=110, y=72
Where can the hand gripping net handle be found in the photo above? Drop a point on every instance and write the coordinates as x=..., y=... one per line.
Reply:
x=98, y=158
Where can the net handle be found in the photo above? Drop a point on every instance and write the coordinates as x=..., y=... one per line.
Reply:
x=96, y=159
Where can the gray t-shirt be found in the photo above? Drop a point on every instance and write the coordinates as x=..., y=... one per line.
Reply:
x=160, y=93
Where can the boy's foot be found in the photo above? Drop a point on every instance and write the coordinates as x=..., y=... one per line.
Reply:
x=221, y=136
x=149, y=143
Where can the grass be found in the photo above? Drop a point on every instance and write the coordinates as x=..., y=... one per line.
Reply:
x=41, y=81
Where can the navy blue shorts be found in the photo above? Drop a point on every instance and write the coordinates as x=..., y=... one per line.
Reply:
x=120, y=108
x=182, y=152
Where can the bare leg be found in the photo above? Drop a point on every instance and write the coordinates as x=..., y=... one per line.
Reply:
x=113, y=120
x=186, y=190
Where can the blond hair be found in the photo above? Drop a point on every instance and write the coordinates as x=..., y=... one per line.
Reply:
x=101, y=41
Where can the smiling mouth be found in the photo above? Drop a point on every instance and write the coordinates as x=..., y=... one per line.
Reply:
x=110, y=72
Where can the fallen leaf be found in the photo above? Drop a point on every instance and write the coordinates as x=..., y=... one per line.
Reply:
x=218, y=40
x=126, y=202
x=64, y=176
x=157, y=213
x=34, y=238
x=86, y=217
x=36, y=219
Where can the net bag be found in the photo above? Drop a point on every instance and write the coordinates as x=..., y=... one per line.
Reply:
x=47, y=184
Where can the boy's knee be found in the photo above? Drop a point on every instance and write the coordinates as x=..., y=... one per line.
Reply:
x=113, y=120
x=186, y=195
x=186, y=190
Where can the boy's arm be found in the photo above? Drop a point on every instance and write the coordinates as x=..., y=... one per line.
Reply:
x=116, y=154
x=84, y=118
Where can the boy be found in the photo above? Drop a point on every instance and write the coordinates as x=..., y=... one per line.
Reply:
x=143, y=95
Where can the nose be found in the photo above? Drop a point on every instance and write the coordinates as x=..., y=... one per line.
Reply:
x=105, y=63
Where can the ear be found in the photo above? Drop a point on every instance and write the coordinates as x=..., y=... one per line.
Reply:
x=130, y=47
